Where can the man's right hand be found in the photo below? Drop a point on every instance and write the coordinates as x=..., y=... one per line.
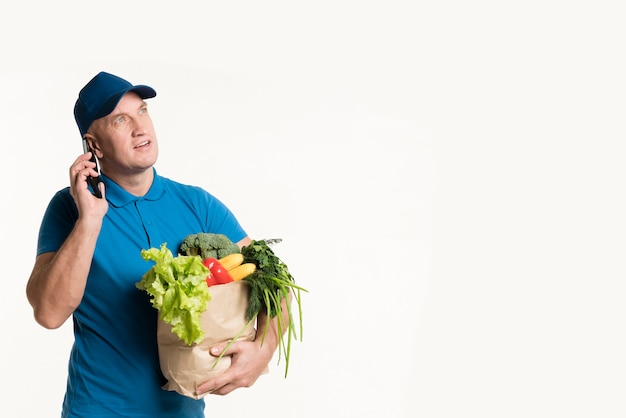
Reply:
x=88, y=205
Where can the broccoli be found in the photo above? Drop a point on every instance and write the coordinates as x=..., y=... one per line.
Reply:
x=208, y=245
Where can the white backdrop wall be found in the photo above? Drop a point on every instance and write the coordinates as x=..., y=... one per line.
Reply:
x=447, y=178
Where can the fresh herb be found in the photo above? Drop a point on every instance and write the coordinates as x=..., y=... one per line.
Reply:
x=270, y=284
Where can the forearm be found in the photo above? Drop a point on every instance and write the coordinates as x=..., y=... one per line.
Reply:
x=57, y=283
x=270, y=331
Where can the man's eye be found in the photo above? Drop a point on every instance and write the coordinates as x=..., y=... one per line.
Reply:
x=143, y=110
x=120, y=119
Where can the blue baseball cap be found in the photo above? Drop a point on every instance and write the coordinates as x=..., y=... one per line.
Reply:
x=100, y=96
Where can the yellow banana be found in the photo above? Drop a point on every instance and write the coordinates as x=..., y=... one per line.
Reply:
x=242, y=271
x=231, y=261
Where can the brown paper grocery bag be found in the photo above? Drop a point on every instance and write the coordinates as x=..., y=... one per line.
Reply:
x=186, y=367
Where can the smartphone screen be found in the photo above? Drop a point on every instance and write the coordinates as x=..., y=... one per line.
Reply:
x=93, y=181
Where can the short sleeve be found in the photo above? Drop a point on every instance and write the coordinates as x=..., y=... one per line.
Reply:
x=58, y=221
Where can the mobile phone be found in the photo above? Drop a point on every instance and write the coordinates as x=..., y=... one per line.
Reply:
x=93, y=181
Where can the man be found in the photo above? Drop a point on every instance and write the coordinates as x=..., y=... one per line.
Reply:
x=88, y=261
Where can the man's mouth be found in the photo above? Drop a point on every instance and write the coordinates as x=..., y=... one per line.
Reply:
x=142, y=144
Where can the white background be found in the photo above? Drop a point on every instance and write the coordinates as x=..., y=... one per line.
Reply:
x=448, y=179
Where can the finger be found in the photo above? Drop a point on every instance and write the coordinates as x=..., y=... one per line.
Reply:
x=225, y=349
x=102, y=192
x=216, y=350
x=81, y=157
x=80, y=166
x=211, y=386
x=224, y=390
x=81, y=175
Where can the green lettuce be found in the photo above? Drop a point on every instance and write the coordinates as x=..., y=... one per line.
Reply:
x=178, y=290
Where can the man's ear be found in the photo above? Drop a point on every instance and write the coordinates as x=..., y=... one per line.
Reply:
x=93, y=144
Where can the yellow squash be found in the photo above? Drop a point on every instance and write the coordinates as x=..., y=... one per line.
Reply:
x=242, y=271
x=231, y=261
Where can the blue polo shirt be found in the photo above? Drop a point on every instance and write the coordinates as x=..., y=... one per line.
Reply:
x=114, y=367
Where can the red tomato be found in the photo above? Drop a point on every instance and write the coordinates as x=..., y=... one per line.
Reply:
x=210, y=280
x=219, y=275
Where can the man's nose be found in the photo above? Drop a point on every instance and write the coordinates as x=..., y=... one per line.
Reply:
x=139, y=128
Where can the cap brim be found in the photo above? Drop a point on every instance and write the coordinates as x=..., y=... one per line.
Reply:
x=145, y=92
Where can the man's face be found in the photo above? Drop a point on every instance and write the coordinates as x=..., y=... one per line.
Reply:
x=125, y=140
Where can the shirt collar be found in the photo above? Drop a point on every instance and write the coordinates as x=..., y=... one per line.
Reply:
x=119, y=197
